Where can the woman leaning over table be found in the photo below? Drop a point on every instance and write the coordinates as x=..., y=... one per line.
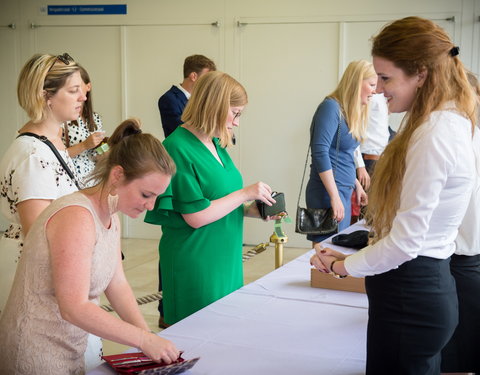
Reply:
x=72, y=255
x=339, y=124
x=202, y=211
x=420, y=191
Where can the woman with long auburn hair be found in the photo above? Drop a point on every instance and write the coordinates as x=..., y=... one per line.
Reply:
x=418, y=198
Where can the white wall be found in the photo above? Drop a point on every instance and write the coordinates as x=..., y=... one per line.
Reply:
x=288, y=55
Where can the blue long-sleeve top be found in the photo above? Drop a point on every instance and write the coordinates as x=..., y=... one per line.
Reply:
x=324, y=142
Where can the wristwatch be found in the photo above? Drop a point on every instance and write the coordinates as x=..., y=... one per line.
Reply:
x=336, y=275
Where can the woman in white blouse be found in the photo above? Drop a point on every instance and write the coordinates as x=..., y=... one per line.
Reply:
x=420, y=192
x=31, y=177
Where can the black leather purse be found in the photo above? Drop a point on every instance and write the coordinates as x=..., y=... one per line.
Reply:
x=316, y=221
x=276, y=208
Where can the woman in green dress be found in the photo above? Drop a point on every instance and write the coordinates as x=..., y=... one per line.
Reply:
x=202, y=211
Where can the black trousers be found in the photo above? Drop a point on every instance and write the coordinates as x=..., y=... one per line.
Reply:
x=462, y=353
x=413, y=313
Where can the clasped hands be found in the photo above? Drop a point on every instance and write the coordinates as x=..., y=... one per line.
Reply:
x=323, y=258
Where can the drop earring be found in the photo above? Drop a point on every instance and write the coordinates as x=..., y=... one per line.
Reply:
x=112, y=201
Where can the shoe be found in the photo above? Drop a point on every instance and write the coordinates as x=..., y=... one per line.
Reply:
x=162, y=324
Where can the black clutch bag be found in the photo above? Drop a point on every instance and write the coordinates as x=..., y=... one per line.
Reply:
x=278, y=207
x=355, y=240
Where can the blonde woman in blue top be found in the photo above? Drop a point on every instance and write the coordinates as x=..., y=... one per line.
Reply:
x=342, y=114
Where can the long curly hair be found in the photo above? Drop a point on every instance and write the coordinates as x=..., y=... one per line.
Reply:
x=415, y=45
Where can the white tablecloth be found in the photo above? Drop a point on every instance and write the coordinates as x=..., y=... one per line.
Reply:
x=276, y=325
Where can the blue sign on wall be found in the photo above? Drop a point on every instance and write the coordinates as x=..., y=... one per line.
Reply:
x=63, y=10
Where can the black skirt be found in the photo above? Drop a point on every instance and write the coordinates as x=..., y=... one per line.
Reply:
x=413, y=313
x=462, y=353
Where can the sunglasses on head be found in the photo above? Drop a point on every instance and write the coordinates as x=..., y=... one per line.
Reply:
x=64, y=58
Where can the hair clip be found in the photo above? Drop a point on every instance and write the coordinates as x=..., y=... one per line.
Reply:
x=454, y=51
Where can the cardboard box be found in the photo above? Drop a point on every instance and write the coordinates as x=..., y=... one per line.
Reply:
x=327, y=281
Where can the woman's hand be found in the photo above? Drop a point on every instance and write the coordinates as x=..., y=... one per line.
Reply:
x=251, y=210
x=323, y=258
x=316, y=262
x=321, y=251
x=363, y=177
x=362, y=196
x=158, y=348
x=338, y=209
x=260, y=191
x=94, y=140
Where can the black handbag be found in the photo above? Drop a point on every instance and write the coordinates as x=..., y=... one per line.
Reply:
x=355, y=240
x=316, y=221
x=276, y=208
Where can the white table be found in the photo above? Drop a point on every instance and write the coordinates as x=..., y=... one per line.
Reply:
x=276, y=325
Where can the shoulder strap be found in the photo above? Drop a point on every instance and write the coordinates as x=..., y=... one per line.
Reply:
x=55, y=151
x=308, y=152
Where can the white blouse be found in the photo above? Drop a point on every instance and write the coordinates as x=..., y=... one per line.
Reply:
x=436, y=190
x=377, y=130
x=30, y=170
x=468, y=239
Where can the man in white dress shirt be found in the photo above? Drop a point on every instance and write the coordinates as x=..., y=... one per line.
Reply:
x=377, y=132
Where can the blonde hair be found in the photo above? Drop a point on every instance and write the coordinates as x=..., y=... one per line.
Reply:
x=207, y=109
x=40, y=78
x=136, y=152
x=415, y=45
x=348, y=95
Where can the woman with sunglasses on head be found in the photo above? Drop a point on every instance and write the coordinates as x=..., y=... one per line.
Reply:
x=419, y=195
x=82, y=135
x=50, y=91
x=202, y=211
x=338, y=126
x=72, y=255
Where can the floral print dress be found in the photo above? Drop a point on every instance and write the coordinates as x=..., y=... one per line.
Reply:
x=28, y=170
x=85, y=161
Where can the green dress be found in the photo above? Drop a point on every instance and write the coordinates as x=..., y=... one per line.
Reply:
x=198, y=266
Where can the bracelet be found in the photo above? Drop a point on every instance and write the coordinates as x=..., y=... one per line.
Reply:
x=336, y=275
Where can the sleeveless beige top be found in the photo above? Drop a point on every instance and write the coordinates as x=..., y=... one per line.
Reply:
x=34, y=339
